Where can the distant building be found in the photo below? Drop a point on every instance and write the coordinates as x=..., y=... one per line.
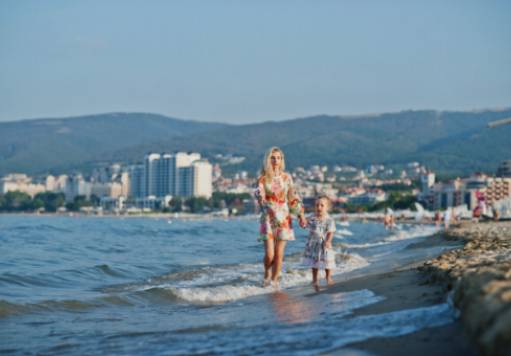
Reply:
x=113, y=204
x=179, y=174
x=202, y=179
x=56, y=184
x=77, y=186
x=22, y=183
x=427, y=181
x=125, y=184
x=467, y=192
x=497, y=189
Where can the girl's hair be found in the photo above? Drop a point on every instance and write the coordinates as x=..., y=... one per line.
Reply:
x=325, y=198
x=266, y=169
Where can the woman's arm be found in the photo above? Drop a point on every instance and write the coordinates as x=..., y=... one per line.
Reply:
x=260, y=192
x=294, y=202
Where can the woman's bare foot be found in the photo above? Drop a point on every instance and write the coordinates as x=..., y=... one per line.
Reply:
x=316, y=286
x=266, y=282
x=330, y=281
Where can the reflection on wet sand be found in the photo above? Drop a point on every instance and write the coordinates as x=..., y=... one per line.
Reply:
x=291, y=310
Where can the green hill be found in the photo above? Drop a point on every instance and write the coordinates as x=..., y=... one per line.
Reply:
x=448, y=142
x=55, y=145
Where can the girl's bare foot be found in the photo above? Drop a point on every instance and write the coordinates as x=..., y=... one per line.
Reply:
x=316, y=286
x=330, y=281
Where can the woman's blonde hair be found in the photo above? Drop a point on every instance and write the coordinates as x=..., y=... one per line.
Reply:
x=267, y=170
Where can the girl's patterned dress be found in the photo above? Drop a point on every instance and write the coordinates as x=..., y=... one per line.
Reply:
x=280, y=203
x=315, y=254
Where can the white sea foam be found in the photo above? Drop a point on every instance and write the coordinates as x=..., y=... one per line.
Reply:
x=343, y=232
x=229, y=292
x=416, y=231
x=344, y=223
x=230, y=283
x=349, y=262
x=218, y=294
x=399, y=235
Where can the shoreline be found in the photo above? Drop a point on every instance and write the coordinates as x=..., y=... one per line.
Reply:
x=405, y=288
x=210, y=216
x=168, y=216
x=475, y=278
x=479, y=278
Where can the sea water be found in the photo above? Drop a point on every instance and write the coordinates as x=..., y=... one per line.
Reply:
x=90, y=285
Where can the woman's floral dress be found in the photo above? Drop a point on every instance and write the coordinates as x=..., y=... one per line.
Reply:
x=278, y=201
x=315, y=254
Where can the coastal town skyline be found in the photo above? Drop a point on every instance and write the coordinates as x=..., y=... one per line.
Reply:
x=163, y=179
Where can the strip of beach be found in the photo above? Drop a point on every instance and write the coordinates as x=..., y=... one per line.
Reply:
x=475, y=278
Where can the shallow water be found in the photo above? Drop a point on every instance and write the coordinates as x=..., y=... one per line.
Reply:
x=78, y=285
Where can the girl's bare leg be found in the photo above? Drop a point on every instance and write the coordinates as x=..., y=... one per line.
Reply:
x=280, y=246
x=315, y=282
x=269, y=253
x=328, y=276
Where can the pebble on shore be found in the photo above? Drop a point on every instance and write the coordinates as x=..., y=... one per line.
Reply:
x=479, y=278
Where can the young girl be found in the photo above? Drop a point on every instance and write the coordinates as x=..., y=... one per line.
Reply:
x=319, y=253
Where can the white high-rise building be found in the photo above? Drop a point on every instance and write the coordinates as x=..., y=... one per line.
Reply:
x=202, y=179
x=125, y=184
x=151, y=174
x=427, y=181
x=179, y=174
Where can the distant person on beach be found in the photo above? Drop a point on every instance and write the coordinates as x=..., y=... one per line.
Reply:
x=438, y=218
x=476, y=214
x=319, y=253
x=388, y=219
x=496, y=213
x=447, y=218
x=277, y=199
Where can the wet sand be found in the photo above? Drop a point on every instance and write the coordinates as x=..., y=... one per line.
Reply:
x=406, y=288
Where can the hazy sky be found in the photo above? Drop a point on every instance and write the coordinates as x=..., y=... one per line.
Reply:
x=248, y=61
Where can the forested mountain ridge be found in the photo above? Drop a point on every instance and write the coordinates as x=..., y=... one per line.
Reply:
x=448, y=142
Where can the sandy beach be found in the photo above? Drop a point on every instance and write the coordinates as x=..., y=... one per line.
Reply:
x=407, y=288
x=476, y=278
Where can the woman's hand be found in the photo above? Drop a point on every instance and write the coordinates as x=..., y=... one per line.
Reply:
x=328, y=244
x=302, y=221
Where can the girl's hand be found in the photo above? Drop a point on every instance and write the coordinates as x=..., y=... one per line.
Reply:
x=328, y=244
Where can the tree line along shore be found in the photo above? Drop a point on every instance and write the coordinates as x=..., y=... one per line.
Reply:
x=233, y=203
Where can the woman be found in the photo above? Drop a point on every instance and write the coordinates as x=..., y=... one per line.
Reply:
x=277, y=199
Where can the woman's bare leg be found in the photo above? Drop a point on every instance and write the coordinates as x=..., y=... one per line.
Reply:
x=280, y=246
x=269, y=253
